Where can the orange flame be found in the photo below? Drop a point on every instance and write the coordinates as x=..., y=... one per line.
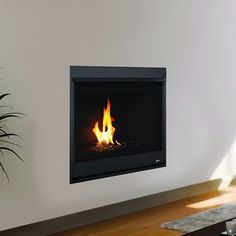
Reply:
x=106, y=135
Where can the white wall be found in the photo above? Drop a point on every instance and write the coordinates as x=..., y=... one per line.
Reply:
x=39, y=40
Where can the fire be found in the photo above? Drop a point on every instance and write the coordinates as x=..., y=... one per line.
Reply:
x=106, y=135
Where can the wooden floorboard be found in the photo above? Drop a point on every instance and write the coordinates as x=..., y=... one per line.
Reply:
x=146, y=222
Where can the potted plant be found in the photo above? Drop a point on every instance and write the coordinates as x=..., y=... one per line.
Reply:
x=7, y=144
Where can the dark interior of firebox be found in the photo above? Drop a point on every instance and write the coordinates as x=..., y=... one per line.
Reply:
x=137, y=112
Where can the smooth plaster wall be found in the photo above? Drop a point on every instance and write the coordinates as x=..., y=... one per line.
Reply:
x=194, y=39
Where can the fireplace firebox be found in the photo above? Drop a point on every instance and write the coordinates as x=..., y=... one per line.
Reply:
x=117, y=121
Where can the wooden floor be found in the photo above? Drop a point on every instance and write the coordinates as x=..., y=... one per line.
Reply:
x=147, y=222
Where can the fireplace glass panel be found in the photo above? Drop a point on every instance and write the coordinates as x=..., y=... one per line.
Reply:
x=137, y=113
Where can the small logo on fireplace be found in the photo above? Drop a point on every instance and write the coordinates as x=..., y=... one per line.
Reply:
x=157, y=161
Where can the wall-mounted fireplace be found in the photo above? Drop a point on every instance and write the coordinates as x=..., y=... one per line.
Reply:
x=117, y=121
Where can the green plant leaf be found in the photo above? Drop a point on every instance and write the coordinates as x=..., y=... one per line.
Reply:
x=8, y=135
x=12, y=151
x=4, y=95
x=10, y=115
x=4, y=171
x=6, y=145
x=6, y=107
x=3, y=131
x=9, y=142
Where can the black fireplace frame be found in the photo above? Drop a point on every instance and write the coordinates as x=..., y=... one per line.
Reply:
x=90, y=170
